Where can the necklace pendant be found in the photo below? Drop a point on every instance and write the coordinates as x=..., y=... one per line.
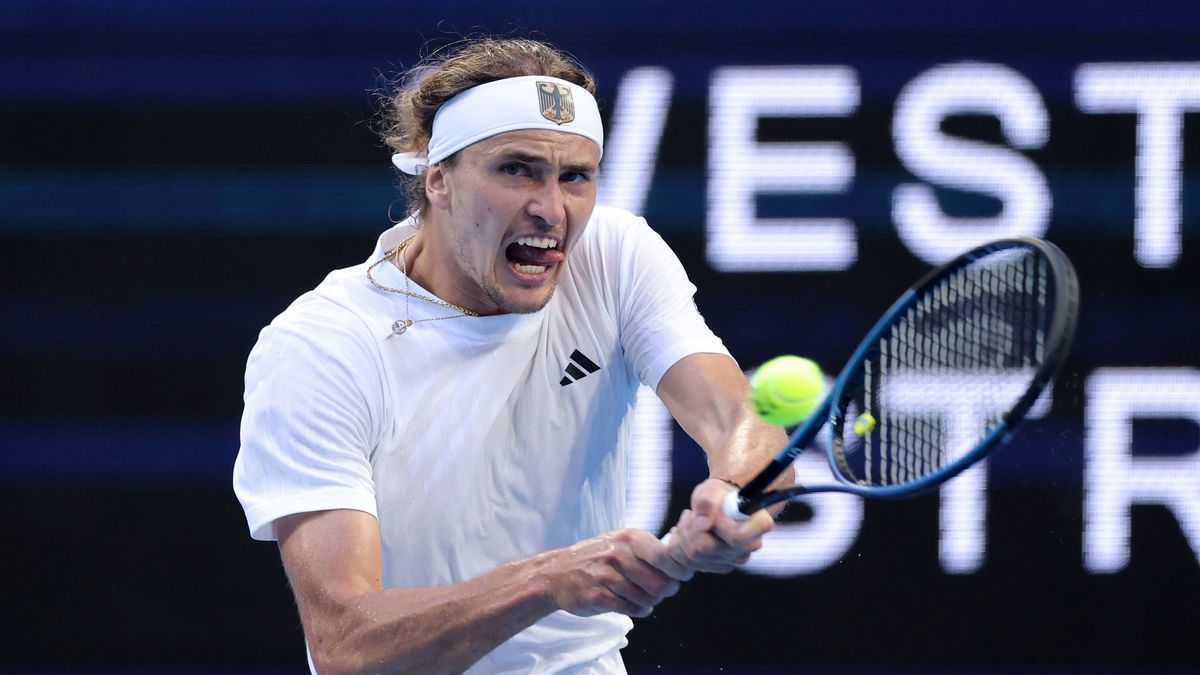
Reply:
x=400, y=326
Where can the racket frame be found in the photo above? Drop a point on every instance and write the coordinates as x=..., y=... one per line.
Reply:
x=1059, y=335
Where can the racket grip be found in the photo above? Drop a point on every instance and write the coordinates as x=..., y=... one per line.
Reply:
x=729, y=505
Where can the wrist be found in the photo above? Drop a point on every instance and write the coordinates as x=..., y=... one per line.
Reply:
x=537, y=586
x=736, y=485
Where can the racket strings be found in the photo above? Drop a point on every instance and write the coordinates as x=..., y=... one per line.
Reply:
x=950, y=367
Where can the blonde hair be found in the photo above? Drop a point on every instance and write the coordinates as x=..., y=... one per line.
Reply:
x=411, y=103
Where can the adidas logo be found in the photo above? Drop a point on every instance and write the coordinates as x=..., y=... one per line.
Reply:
x=574, y=372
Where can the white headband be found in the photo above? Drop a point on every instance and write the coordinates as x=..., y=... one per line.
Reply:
x=528, y=102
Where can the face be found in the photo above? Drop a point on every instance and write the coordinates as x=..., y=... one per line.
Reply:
x=505, y=216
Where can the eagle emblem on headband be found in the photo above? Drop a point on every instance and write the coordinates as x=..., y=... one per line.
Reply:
x=556, y=102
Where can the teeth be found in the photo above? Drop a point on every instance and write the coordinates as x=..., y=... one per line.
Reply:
x=538, y=242
x=529, y=269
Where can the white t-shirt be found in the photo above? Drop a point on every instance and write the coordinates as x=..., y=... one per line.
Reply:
x=475, y=440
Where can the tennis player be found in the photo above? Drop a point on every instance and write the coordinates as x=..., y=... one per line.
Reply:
x=437, y=437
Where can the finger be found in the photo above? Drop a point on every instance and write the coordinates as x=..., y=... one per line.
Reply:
x=696, y=547
x=703, y=501
x=692, y=523
x=708, y=497
x=631, y=593
x=610, y=600
x=651, y=580
x=745, y=534
x=707, y=553
x=637, y=563
x=710, y=553
x=679, y=536
x=760, y=523
x=644, y=586
x=702, y=538
x=668, y=563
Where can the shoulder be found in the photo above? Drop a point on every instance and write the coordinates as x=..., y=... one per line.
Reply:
x=617, y=234
x=625, y=240
x=610, y=220
x=333, y=307
x=615, y=216
x=326, y=323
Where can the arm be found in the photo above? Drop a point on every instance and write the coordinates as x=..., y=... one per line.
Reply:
x=708, y=395
x=353, y=624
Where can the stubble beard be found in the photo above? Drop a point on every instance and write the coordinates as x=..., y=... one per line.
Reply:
x=497, y=295
x=507, y=306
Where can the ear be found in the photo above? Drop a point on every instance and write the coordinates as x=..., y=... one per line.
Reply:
x=437, y=187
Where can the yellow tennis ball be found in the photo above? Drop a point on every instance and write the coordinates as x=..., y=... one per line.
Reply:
x=864, y=424
x=785, y=390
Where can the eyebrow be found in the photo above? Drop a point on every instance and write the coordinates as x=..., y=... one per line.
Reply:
x=535, y=159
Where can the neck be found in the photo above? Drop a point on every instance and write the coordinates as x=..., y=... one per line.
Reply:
x=429, y=262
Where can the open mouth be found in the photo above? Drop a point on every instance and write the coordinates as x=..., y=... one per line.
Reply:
x=534, y=255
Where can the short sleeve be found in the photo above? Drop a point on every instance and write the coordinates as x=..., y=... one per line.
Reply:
x=309, y=421
x=660, y=323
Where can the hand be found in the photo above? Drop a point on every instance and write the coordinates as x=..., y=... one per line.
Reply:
x=707, y=540
x=626, y=571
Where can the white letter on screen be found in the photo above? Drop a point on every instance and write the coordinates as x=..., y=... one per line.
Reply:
x=1115, y=480
x=739, y=167
x=968, y=89
x=649, y=487
x=810, y=546
x=631, y=146
x=1160, y=93
x=964, y=403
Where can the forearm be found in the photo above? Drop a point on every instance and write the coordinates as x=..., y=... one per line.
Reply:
x=427, y=630
x=748, y=447
x=709, y=396
x=704, y=540
x=353, y=625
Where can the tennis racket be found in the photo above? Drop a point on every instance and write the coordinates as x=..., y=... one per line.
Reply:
x=985, y=332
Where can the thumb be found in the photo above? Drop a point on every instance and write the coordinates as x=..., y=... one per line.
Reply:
x=706, y=498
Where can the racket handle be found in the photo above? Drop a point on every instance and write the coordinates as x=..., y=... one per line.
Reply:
x=729, y=505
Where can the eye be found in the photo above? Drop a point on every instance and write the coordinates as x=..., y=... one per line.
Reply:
x=575, y=177
x=515, y=169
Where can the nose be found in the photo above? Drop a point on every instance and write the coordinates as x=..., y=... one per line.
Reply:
x=549, y=204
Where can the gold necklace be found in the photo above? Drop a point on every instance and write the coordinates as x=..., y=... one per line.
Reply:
x=400, y=326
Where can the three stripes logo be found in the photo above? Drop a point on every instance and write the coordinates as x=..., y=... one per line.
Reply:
x=579, y=368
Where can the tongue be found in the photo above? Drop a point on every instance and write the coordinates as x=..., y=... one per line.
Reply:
x=529, y=255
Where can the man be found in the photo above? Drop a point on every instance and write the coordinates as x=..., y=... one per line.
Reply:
x=437, y=437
